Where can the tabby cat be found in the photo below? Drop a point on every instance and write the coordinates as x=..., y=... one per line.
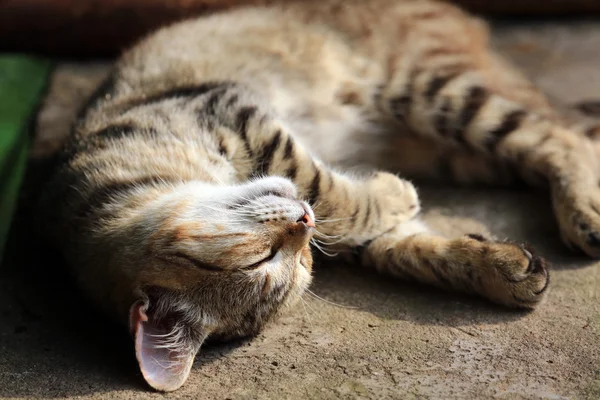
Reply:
x=201, y=170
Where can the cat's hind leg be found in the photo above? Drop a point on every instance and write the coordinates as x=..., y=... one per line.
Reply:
x=453, y=90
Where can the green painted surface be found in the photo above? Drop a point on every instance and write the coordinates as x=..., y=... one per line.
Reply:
x=22, y=80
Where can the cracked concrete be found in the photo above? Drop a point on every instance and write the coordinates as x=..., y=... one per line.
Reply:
x=382, y=338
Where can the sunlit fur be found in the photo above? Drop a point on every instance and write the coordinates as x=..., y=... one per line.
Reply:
x=230, y=230
x=216, y=141
x=162, y=243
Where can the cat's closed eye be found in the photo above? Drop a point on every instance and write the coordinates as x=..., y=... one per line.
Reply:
x=258, y=264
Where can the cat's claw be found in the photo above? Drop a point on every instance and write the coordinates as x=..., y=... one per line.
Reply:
x=510, y=274
x=529, y=286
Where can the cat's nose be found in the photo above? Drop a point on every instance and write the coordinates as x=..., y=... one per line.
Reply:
x=307, y=220
x=299, y=230
x=299, y=233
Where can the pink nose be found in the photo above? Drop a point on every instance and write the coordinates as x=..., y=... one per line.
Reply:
x=307, y=220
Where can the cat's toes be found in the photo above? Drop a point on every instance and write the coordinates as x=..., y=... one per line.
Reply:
x=527, y=277
x=511, y=275
x=396, y=198
x=579, y=221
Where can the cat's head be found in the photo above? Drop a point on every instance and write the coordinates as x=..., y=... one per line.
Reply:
x=218, y=261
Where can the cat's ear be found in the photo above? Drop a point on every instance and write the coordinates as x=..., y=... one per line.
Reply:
x=163, y=348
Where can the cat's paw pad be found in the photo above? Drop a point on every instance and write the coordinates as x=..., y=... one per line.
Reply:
x=579, y=221
x=396, y=198
x=510, y=274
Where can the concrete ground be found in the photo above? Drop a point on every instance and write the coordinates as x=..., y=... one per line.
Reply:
x=371, y=336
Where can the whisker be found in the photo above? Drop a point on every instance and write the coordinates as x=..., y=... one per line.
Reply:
x=329, y=236
x=317, y=205
x=156, y=335
x=327, y=242
x=314, y=243
x=304, y=305
x=327, y=301
x=320, y=242
x=324, y=221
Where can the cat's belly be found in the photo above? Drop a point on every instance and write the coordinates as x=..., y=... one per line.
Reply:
x=342, y=136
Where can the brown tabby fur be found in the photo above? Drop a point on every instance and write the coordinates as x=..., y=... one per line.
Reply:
x=177, y=202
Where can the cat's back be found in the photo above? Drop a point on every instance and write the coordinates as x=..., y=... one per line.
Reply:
x=272, y=50
x=299, y=46
x=317, y=64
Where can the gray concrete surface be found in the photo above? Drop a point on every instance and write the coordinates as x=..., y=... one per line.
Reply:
x=382, y=338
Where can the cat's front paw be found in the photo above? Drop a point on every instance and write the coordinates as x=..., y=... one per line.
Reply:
x=508, y=273
x=396, y=199
x=503, y=272
x=578, y=217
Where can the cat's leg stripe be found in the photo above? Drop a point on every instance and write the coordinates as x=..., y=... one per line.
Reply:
x=377, y=210
x=242, y=118
x=232, y=100
x=510, y=123
x=400, y=106
x=289, y=149
x=222, y=147
x=265, y=159
x=436, y=84
x=367, y=214
x=437, y=273
x=440, y=120
x=474, y=101
x=292, y=171
x=213, y=100
x=355, y=213
x=442, y=51
x=313, y=194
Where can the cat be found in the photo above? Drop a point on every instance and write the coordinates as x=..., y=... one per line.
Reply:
x=219, y=149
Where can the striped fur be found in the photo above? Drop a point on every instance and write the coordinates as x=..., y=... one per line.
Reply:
x=185, y=197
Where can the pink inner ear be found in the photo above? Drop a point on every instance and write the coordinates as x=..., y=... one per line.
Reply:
x=164, y=367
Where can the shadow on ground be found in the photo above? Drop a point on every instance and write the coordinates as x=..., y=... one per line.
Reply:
x=54, y=344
